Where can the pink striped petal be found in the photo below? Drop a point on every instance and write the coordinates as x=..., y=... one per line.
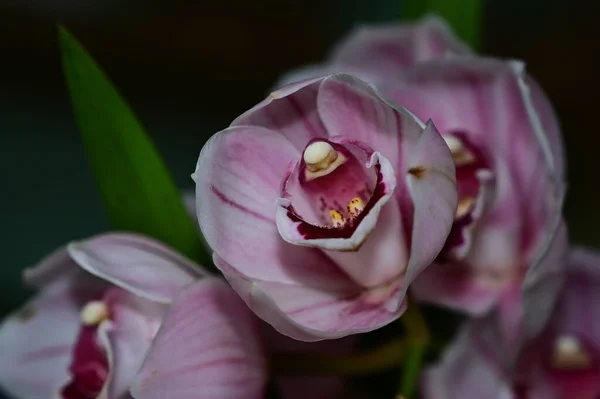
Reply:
x=490, y=101
x=291, y=111
x=464, y=373
x=136, y=263
x=455, y=289
x=431, y=180
x=127, y=337
x=306, y=313
x=238, y=180
x=545, y=279
x=207, y=347
x=384, y=52
x=351, y=108
x=36, y=342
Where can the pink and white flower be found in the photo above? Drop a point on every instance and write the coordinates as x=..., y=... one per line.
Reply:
x=101, y=303
x=508, y=152
x=562, y=362
x=323, y=203
x=510, y=170
x=382, y=53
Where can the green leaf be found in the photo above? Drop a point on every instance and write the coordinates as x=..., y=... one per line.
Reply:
x=137, y=190
x=464, y=16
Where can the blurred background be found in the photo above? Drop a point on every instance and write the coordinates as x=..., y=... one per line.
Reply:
x=189, y=67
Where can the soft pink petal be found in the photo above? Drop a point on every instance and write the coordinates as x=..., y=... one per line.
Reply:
x=351, y=108
x=290, y=110
x=549, y=123
x=208, y=347
x=577, y=308
x=545, y=279
x=136, y=263
x=385, y=52
x=309, y=314
x=489, y=100
x=431, y=180
x=463, y=373
x=36, y=342
x=127, y=337
x=456, y=289
x=238, y=180
x=56, y=266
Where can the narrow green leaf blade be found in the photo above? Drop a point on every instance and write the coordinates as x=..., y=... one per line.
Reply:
x=464, y=16
x=137, y=190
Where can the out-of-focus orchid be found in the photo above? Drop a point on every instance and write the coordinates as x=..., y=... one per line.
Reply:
x=101, y=303
x=561, y=362
x=509, y=166
x=382, y=53
x=323, y=203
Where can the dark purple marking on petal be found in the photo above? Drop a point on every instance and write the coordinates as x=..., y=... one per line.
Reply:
x=89, y=367
x=312, y=232
x=233, y=204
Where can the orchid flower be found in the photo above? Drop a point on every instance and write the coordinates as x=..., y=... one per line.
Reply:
x=563, y=361
x=100, y=305
x=323, y=203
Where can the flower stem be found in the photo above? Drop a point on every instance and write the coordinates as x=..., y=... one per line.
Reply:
x=418, y=337
x=364, y=362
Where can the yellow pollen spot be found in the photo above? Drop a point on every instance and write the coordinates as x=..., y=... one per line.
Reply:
x=337, y=218
x=461, y=155
x=355, y=207
x=465, y=205
x=569, y=354
x=94, y=313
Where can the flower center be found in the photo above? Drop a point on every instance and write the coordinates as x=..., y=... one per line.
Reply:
x=568, y=353
x=472, y=178
x=89, y=365
x=573, y=367
x=466, y=163
x=334, y=185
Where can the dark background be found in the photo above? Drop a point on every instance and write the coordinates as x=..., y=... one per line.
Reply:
x=188, y=68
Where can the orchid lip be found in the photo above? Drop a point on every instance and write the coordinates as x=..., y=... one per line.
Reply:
x=475, y=183
x=89, y=364
x=330, y=195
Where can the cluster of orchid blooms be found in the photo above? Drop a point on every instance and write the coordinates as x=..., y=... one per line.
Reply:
x=404, y=166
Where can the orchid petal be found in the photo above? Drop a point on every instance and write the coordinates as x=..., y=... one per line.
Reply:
x=207, y=347
x=126, y=337
x=136, y=263
x=238, y=180
x=544, y=280
x=306, y=313
x=385, y=52
x=351, y=108
x=290, y=110
x=432, y=186
x=490, y=100
x=455, y=289
x=463, y=373
x=37, y=341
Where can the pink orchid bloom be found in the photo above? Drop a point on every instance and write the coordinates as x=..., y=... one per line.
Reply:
x=382, y=53
x=323, y=203
x=101, y=303
x=561, y=362
x=507, y=149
